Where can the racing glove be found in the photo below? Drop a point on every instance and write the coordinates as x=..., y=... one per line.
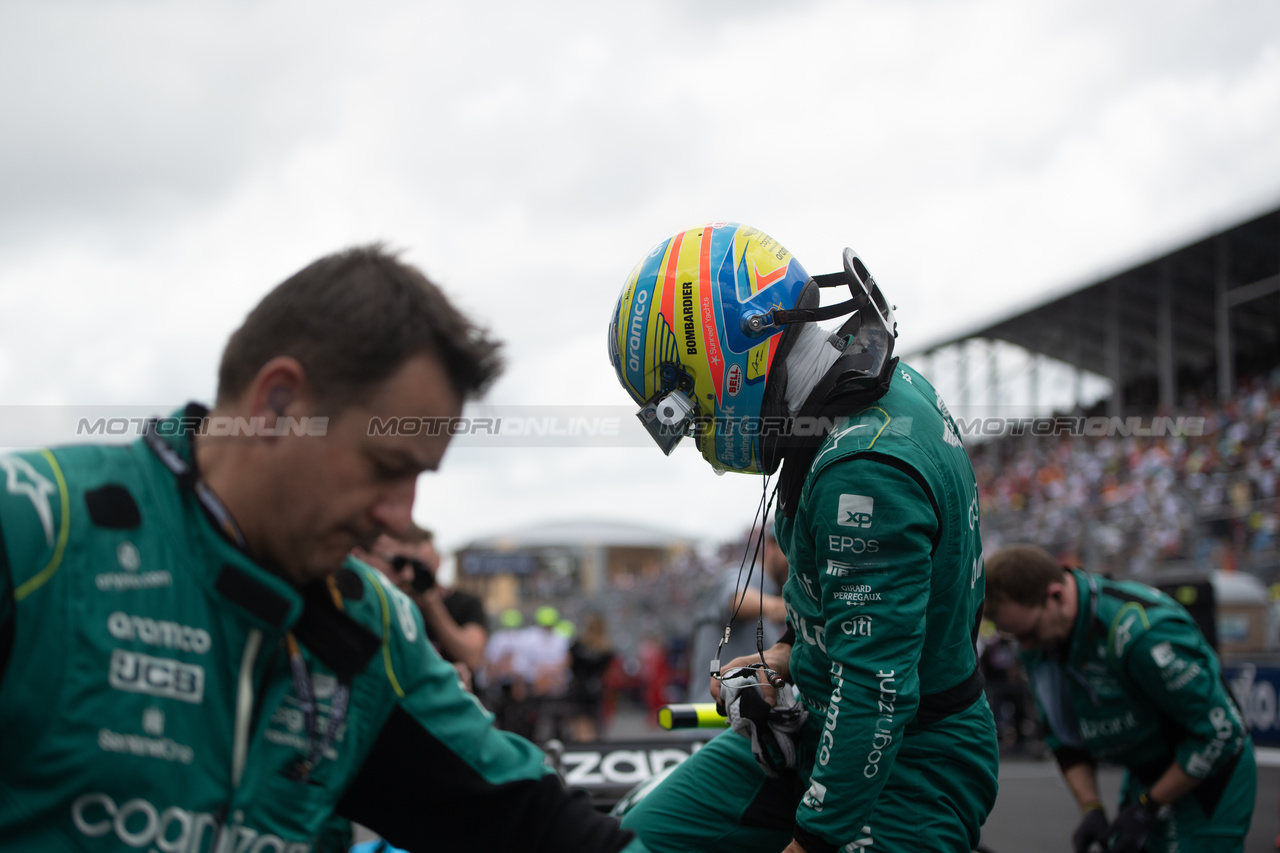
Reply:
x=1129, y=831
x=772, y=730
x=1092, y=829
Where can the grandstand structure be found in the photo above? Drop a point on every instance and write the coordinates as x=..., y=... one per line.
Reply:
x=644, y=580
x=1192, y=334
x=1186, y=323
x=553, y=562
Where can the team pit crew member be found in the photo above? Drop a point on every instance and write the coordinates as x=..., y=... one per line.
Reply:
x=714, y=336
x=1122, y=674
x=189, y=662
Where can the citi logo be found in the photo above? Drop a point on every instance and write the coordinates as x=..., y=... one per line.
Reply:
x=855, y=511
x=859, y=626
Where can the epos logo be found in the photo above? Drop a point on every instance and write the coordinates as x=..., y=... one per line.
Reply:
x=854, y=511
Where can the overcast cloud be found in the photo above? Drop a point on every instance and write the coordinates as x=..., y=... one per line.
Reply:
x=163, y=165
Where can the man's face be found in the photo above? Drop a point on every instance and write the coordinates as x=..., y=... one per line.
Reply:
x=343, y=490
x=1044, y=627
x=382, y=556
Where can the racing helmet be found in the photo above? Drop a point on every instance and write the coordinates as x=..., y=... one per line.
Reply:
x=703, y=322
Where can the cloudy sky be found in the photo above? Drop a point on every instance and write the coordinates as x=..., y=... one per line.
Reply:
x=163, y=165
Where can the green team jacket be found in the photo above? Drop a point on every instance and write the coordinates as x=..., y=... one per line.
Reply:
x=884, y=595
x=146, y=698
x=1139, y=687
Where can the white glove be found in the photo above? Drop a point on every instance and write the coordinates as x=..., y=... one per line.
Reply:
x=771, y=729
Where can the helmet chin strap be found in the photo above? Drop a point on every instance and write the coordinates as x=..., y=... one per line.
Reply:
x=817, y=374
x=859, y=376
x=811, y=356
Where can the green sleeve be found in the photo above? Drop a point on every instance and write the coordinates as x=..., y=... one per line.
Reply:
x=34, y=515
x=427, y=687
x=439, y=746
x=1175, y=669
x=872, y=527
x=435, y=699
x=6, y=600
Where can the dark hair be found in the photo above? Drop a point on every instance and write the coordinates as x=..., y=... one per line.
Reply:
x=1021, y=574
x=352, y=319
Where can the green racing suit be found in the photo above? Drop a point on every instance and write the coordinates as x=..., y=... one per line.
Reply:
x=149, y=692
x=1137, y=685
x=884, y=597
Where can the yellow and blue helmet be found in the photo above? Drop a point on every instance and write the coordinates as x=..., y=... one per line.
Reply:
x=698, y=327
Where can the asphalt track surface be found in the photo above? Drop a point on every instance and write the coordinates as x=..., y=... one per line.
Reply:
x=1035, y=813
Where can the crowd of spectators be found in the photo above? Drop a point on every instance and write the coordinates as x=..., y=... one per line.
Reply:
x=1123, y=504
x=548, y=679
x=1120, y=504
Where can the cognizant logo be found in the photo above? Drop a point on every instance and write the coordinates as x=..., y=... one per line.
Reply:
x=139, y=824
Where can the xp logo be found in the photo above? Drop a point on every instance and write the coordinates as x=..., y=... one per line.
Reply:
x=854, y=511
x=733, y=381
x=1163, y=654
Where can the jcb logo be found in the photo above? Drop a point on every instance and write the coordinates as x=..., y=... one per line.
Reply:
x=162, y=677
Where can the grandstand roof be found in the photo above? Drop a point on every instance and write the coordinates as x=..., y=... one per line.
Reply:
x=1165, y=321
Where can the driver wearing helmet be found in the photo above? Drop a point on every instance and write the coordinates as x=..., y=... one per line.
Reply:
x=889, y=740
